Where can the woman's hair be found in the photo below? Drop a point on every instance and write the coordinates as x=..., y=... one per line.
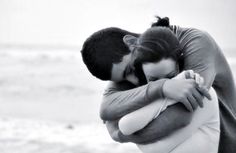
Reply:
x=161, y=22
x=156, y=43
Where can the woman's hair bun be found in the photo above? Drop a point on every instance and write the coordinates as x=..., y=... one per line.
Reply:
x=164, y=22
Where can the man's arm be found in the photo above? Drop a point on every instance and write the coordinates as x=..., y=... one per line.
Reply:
x=200, y=54
x=173, y=118
x=118, y=101
x=122, y=98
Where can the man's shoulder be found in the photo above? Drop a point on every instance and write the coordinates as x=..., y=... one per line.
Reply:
x=190, y=33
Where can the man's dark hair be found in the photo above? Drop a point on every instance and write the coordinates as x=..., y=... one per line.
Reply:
x=104, y=48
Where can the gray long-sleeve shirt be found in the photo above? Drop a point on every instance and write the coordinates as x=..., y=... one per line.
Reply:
x=201, y=54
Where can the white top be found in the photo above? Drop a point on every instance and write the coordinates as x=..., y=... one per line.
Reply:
x=200, y=136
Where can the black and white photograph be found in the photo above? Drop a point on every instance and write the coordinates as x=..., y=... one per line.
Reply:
x=117, y=76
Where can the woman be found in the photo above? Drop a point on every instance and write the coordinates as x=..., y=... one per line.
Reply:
x=154, y=57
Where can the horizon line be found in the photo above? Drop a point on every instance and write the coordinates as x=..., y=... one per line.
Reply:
x=40, y=46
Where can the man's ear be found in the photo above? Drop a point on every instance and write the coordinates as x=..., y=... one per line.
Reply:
x=130, y=41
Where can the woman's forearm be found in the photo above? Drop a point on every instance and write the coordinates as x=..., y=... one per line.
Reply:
x=138, y=119
x=170, y=120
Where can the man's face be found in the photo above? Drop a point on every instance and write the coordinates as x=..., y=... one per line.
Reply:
x=165, y=68
x=122, y=72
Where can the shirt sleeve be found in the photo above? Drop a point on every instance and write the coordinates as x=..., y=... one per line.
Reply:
x=120, y=99
x=199, y=54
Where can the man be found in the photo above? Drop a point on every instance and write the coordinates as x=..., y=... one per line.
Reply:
x=200, y=53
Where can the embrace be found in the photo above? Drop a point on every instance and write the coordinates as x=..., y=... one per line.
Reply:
x=171, y=89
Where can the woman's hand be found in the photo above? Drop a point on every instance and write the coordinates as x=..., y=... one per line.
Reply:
x=190, y=74
x=187, y=88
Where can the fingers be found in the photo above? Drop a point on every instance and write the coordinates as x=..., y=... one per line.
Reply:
x=193, y=102
x=189, y=74
x=199, y=79
x=198, y=97
x=187, y=105
x=204, y=91
x=201, y=82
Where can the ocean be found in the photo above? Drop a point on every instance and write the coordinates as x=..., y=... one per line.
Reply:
x=49, y=103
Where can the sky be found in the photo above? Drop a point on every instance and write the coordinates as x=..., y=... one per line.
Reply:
x=70, y=22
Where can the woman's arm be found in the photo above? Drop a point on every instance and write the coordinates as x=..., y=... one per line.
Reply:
x=138, y=119
x=170, y=120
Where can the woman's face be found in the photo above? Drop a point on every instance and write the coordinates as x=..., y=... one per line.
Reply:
x=165, y=68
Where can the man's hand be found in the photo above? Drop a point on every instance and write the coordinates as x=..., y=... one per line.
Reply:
x=189, y=92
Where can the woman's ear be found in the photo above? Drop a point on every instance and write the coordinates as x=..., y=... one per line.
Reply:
x=130, y=41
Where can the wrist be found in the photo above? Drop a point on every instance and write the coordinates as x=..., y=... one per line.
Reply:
x=155, y=89
x=164, y=90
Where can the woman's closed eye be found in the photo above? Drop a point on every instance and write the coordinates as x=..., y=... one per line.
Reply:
x=172, y=74
x=169, y=76
x=152, y=78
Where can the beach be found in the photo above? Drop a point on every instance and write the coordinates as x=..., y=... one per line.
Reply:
x=49, y=103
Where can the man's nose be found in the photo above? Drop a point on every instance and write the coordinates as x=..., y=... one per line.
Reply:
x=133, y=79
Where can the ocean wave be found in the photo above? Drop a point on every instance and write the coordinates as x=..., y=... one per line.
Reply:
x=24, y=134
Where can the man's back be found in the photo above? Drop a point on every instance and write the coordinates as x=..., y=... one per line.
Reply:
x=202, y=54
